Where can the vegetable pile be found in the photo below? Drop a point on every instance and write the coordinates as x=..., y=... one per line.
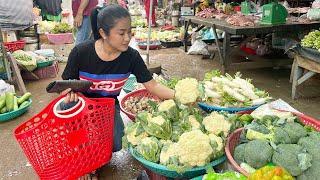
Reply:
x=283, y=141
x=138, y=21
x=229, y=175
x=178, y=136
x=271, y=173
x=9, y=102
x=62, y=28
x=312, y=40
x=228, y=91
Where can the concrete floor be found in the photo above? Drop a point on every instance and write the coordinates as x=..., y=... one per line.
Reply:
x=13, y=164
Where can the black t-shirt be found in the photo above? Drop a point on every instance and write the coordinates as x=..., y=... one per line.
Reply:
x=108, y=77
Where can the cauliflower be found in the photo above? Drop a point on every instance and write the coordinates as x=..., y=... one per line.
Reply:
x=169, y=150
x=217, y=144
x=216, y=123
x=194, y=123
x=156, y=126
x=169, y=107
x=194, y=148
x=134, y=132
x=187, y=90
x=150, y=149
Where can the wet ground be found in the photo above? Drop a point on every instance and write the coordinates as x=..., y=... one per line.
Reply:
x=13, y=163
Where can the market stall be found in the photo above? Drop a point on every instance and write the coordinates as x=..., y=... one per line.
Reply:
x=225, y=50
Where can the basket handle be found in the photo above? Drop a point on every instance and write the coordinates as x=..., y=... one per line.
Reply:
x=60, y=114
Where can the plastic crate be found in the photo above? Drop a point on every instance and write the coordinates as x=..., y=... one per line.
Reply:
x=42, y=73
x=63, y=38
x=14, y=46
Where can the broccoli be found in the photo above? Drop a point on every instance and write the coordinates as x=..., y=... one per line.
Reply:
x=238, y=153
x=281, y=136
x=258, y=127
x=295, y=131
x=312, y=144
x=292, y=157
x=252, y=135
x=312, y=173
x=257, y=153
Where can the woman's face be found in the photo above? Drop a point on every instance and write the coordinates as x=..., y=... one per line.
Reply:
x=120, y=35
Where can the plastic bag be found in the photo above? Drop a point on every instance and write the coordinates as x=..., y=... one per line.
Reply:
x=5, y=87
x=25, y=60
x=316, y=4
x=313, y=14
x=199, y=47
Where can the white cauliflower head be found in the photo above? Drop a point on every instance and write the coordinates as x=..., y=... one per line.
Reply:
x=216, y=123
x=168, y=151
x=187, y=90
x=166, y=105
x=158, y=120
x=218, y=140
x=194, y=148
x=194, y=123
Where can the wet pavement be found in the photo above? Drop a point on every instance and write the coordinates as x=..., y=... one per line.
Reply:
x=175, y=62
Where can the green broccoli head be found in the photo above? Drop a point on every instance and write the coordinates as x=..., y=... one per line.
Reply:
x=295, y=131
x=312, y=173
x=238, y=153
x=258, y=153
x=292, y=157
x=281, y=136
x=312, y=144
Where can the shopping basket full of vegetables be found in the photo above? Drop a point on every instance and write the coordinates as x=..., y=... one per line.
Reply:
x=68, y=144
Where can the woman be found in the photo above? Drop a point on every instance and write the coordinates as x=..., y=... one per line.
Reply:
x=108, y=62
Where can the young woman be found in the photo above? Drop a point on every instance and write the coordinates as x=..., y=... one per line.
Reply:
x=108, y=62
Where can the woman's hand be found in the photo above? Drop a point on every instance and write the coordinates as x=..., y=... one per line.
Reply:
x=70, y=96
x=159, y=90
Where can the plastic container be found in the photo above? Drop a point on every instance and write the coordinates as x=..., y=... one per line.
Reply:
x=139, y=93
x=164, y=171
x=233, y=141
x=45, y=52
x=130, y=85
x=13, y=46
x=68, y=144
x=63, y=38
x=13, y=114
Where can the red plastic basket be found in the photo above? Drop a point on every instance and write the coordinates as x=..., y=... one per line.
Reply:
x=139, y=93
x=233, y=141
x=63, y=38
x=68, y=144
x=13, y=46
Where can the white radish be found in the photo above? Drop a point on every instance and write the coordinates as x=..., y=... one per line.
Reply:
x=259, y=101
x=234, y=93
x=210, y=93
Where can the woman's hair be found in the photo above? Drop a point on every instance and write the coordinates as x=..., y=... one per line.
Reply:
x=106, y=18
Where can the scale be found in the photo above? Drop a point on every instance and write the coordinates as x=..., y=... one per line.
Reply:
x=273, y=14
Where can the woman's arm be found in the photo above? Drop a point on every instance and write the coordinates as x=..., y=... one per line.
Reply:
x=159, y=90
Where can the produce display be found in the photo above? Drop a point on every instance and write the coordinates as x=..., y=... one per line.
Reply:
x=282, y=140
x=62, y=28
x=178, y=136
x=228, y=91
x=162, y=35
x=25, y=60
x=46, y=26
x=312, y=40
x=240, y=20
x=138, y=21
x=136, y=105
x=9, y=102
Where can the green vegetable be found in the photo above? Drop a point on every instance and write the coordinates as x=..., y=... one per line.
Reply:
x=292, y=157
x=246, y=118
x=62, y=28
x=312, y=144
x=209, y=75
x=3, y=110
x=2, y=101
x=281, y=136
x=24, y=104
x=149, y=148
x=239, y=153
x=295, y=131
x=9, y=101
x=258, y=153
x=15, y=103
x=230, y=175
x=23, y=98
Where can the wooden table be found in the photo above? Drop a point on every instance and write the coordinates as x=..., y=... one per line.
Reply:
x=225, y=50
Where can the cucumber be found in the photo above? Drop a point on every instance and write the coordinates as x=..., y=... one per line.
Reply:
x=23, y=98
x=3, y=110
x=15, y=103
x=9, y=101
x=24, y=104
x=2, y=101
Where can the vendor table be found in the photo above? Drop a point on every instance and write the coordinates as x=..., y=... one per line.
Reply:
x=225, y=50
